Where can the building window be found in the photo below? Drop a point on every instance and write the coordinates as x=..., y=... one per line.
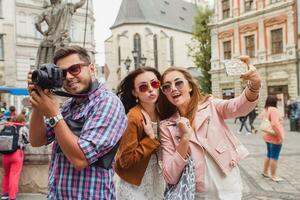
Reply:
x=1, y=48
x=119, y=55
x=250, y=46
x=248, y=5
x=137, y=47
x=171, y=51
x=277, y=41
x=275, y=1
x=225, y=8
x=1, y=11
x=227, y=49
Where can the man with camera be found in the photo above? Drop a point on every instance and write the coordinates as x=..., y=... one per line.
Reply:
x=85, y=131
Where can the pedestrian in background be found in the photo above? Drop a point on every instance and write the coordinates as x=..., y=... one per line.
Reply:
x=11, y=112
x=194, y=127
x=243, y=121
x=252, y=115
x=273, y=142
x=13, y=162
x=138, y=160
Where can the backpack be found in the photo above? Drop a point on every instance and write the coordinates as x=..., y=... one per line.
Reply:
x=9, y=137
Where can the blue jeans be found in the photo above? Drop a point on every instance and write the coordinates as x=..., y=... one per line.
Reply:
x=273, y=150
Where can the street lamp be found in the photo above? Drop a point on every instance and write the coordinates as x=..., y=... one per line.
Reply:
x=135, y=55
x=127, y=64
x=143, y=61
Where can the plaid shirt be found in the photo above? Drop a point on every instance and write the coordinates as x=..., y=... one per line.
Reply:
x=105, y=122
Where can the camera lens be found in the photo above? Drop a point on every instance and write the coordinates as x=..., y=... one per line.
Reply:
x=41, y=79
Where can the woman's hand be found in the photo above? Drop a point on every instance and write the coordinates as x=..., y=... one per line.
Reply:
x=251, y=75
x=185, y=128
x=147, y=125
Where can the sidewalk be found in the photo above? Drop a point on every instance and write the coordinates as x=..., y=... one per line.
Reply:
x=255, y=186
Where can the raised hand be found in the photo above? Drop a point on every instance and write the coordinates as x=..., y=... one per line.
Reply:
x=147, y=125
x=185, y=128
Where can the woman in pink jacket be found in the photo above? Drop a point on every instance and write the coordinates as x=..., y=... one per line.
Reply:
x=274, y=142
x=194, y=126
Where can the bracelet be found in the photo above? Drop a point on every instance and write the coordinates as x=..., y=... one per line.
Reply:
x=250, y=87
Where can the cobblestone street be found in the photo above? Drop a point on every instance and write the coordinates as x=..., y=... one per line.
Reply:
x=255, y=186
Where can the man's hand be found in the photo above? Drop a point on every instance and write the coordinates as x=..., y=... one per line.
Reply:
x=44, y=102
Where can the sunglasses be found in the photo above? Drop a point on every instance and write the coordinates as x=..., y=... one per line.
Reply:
x=167, y=87
x=145, y=86
x=75, y=69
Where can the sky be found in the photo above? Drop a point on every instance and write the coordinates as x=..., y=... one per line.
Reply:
x=105, y=13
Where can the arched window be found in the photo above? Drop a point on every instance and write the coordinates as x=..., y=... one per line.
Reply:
x=171, y=51
x=155, y=51
x=137, y=48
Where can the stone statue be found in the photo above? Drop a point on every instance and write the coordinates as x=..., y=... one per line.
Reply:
x=58, y=18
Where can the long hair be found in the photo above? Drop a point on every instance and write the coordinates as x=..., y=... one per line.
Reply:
x=167, y=109
x=124, y=89
x=271, y=101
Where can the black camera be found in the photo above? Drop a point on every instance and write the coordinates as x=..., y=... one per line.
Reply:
x=48, y=76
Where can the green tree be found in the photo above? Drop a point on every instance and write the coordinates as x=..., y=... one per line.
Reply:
x=200, y=48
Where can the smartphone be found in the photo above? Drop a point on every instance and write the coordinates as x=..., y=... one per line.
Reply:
x=235, y=67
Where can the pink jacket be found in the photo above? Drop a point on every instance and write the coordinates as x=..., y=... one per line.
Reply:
x=212, y=134
x=276, y=123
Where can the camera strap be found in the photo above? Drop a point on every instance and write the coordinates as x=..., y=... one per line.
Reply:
x=94, y=86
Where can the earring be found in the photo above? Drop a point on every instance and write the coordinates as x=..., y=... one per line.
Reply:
x=137, y=100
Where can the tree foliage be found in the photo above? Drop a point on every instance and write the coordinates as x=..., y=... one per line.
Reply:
x=200, y=49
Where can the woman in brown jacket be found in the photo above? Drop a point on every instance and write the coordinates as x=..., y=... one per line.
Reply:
x=138, y=158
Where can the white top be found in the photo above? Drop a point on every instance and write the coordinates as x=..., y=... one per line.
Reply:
x=152, y=186
x=217, y=185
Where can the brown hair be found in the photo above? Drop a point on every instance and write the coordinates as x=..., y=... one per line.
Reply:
x=69, y=50
x=18, y=118
x=167, y=109
x=271, y=101
x=124, y=90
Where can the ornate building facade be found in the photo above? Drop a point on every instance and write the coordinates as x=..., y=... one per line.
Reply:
x=265, y=30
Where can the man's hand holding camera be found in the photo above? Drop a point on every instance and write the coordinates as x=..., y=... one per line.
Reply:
x=42, y=99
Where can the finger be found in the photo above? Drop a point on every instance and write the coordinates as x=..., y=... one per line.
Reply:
x=33, y=102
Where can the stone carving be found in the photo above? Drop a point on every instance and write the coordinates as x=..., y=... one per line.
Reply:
x=57, y=16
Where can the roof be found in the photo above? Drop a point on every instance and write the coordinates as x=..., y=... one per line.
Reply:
x=14, y=91
x=174, y=14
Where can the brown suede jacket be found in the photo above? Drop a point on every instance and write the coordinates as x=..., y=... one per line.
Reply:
x=135, y=149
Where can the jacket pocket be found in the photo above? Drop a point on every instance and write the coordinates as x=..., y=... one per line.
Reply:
x=221, y=148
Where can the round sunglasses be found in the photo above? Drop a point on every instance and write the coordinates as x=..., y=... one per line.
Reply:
x=166, y=88
x=75, y=69
x=145, y=86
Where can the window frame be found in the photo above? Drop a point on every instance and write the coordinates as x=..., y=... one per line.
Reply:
x=280, y=42
x=247, y=47
x=227, y=52
x=1, y=47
